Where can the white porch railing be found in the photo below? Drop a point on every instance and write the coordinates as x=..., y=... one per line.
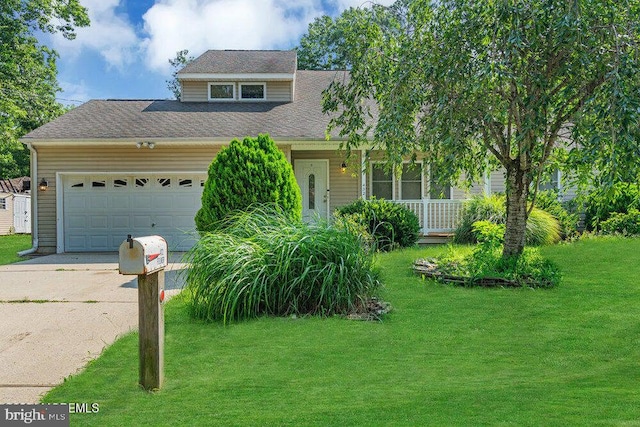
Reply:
x=435, y=215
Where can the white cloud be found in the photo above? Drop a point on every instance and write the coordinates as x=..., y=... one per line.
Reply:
x=110, y=34
x=345, y=4
x=199, y=25
x=73, y=93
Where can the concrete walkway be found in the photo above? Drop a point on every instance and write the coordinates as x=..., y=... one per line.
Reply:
x=58, y=312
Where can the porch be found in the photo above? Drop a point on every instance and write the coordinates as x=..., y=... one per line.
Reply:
x=438, y=217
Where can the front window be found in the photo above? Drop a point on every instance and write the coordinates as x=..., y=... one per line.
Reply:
x=221, y=91
x=381, y=182
x=253, y=91
x=3, y=204
x=411, y=182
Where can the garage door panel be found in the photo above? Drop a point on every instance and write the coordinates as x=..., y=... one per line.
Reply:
x=102, y=210
x=100, y=222
x=120, y=202
x=97, y=242
x=76, y=221
x=76, y=203
x=163, y=201
x=98, y=201
x=120, y=221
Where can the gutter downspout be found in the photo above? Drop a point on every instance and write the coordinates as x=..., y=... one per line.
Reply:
x=34, y=202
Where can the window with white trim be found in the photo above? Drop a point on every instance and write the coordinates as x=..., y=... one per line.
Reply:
x=252, y=90
x=222, y=91
x=411, y=182
x=381, y=182
x=3, y=204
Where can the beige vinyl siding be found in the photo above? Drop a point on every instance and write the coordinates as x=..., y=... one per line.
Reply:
x=344, y=186
x=194, y=91
x=461, y=193
x=6, y=215
x=279, y=91
x=197, y=91
x=497, y=181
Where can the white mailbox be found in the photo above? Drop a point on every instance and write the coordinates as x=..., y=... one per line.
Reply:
x=143, y=255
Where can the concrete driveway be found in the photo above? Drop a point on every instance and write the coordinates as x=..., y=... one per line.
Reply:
x=58, y=312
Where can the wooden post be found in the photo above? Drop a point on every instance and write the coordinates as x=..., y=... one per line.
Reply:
x=151, y=330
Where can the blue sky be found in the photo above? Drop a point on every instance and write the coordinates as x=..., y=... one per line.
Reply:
x=125, y=52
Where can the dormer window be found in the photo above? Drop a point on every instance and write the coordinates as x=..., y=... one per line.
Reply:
x=253, y=91
x=222, y=91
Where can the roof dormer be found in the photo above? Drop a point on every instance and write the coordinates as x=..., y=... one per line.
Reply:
x=239, y=76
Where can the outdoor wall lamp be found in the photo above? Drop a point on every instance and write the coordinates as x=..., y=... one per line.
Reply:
x=343, y=167
x=43, y=185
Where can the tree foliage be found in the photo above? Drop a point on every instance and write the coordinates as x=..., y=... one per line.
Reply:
x=519, y=83
x=28, y=75
x=180, y=61
x=246, y=173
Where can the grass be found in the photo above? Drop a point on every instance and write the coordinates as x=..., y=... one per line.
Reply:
x=445, y=356
x=12, y=244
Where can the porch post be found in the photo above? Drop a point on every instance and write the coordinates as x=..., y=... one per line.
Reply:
x=425, y=215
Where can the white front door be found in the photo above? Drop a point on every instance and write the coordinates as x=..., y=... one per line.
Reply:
x=313, y=180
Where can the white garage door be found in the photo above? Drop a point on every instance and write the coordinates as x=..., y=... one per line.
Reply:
x=99, y=211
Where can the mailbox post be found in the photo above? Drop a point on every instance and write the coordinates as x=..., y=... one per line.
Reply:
x=146, y=257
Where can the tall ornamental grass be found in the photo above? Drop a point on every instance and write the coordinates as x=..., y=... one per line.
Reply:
x=261, y=263
x=542, y=227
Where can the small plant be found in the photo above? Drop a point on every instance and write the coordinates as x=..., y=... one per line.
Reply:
x=627, y=224
x=390, y=224
x=247, y=172
x=261, y=263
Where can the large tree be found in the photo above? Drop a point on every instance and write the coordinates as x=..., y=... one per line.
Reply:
x=511, y=82
x=181, y=60
x=28, y=75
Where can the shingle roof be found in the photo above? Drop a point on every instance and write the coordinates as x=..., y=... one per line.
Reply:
x=243, y=61
x=114, y=119
x=15, y=185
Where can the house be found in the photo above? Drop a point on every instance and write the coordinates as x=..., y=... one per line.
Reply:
x=118, y=167
x=15, y=205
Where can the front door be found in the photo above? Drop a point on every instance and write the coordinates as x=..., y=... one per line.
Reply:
x=312, y=177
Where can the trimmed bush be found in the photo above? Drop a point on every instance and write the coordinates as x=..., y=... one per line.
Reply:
x=248, y=172
x=261, y=263
x=391, y=225
x=542, y=227
x=599, y=205
x=627, y=224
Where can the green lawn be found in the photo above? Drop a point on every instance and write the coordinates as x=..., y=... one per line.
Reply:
x=445, y=356
x=11, y=245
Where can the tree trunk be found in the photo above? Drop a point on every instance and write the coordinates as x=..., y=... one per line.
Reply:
x=516, y=225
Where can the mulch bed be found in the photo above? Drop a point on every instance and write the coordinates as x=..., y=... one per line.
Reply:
x=429, y=269
x=373, y=309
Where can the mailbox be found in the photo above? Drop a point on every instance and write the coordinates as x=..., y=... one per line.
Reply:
x=143, y=255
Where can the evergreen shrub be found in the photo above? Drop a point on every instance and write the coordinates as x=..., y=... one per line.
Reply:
x=248, y=172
